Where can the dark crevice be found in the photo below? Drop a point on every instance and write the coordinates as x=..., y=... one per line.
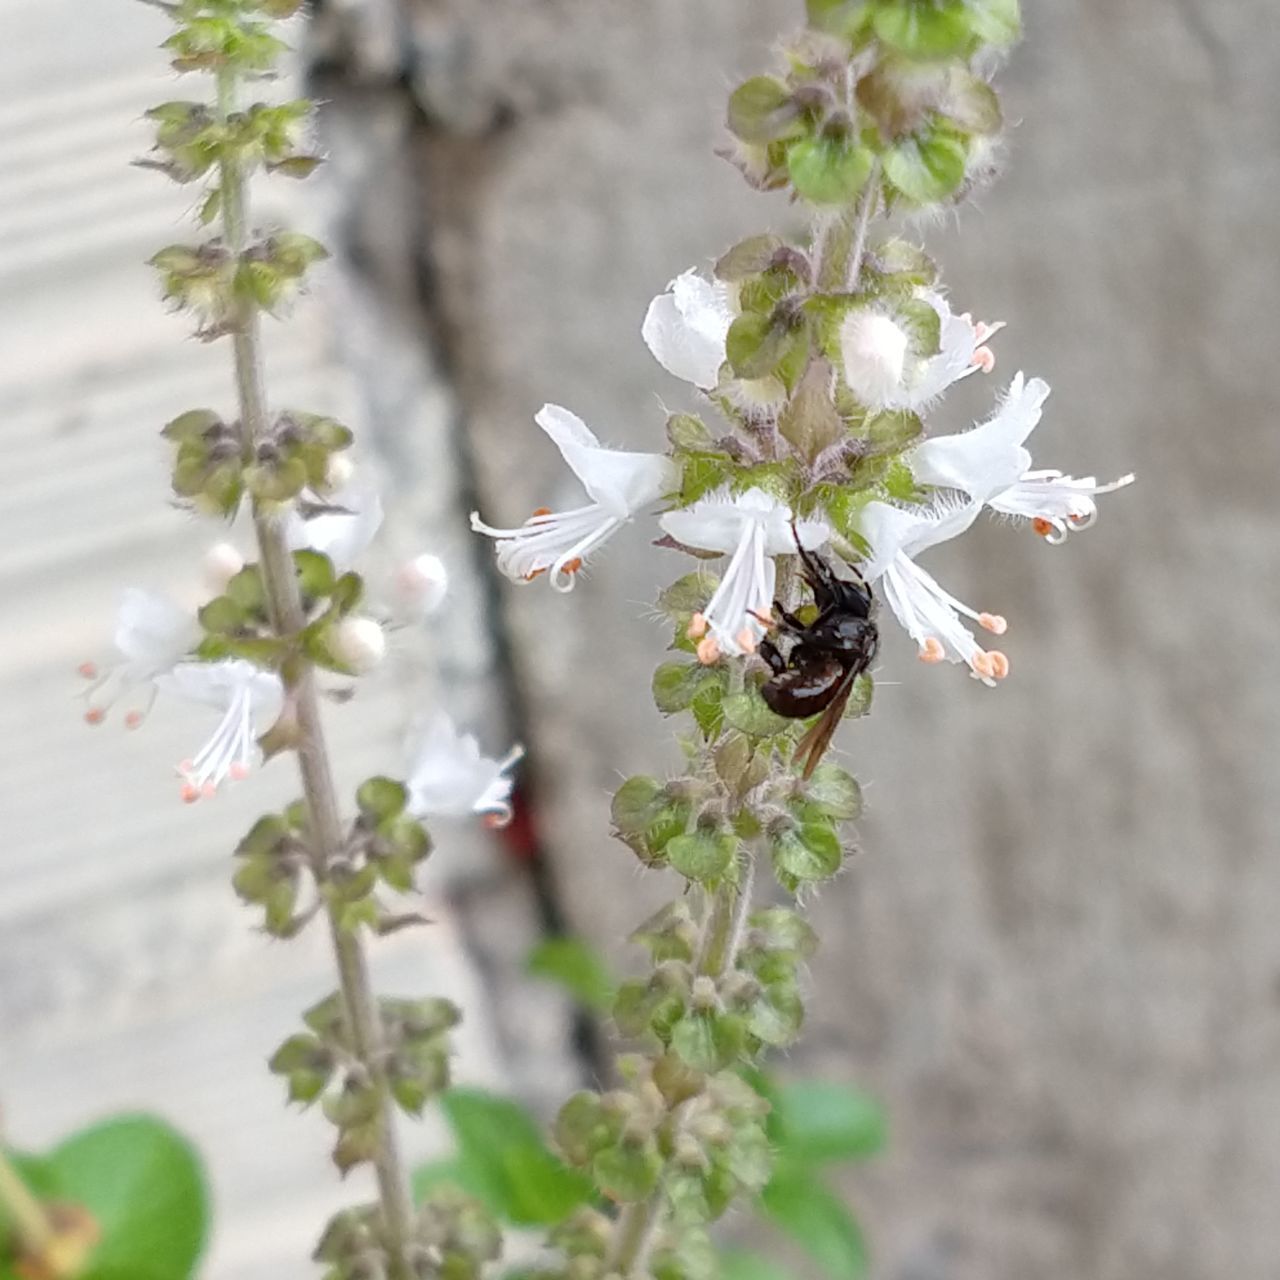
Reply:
x=333, y=73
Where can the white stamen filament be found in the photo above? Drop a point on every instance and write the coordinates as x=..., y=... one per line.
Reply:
x=1057, y=504
x=550, y=542
x=228, y=753
x=929, y=615
x=744, y=590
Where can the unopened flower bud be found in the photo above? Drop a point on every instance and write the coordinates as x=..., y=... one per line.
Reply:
x=338, y=472
x=221, y=563
x=359, y=644
x=421, y=584
x=874, y=350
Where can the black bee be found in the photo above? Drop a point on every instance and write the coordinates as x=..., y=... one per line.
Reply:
x=824, y=657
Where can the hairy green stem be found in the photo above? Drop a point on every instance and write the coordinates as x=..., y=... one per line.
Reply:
x=360, y=1007
x=637, y=1226
x=633, y=1236
x=722, y=931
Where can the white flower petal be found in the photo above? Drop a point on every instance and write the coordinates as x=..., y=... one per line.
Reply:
x=751, y=528
x=621, y=482
x=1057, y=504
x=959, y=355
x=989, y=458
x=889, y=530
x=715, y=523
x=686, y=328
x=873, y=350
x=152, y=633
x=449, y=777
x=342, y=534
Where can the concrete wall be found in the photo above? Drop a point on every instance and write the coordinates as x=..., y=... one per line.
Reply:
x=1056, y=958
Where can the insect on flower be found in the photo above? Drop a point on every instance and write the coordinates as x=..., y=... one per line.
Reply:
x=824, y=657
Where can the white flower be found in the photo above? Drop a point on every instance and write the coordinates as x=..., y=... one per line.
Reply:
x=359, y=644
x=421, y=585
x=686, y=327
x=882, y=372
x=930, y=615
x=448, y=777
x=992, y=465
x=342, y=530
x=750, y=528
x=874, y=351
x=221, y=563
x=619, y=485
x=152, y=635
x=245, y=695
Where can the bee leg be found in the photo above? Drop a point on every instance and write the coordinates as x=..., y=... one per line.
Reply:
x=769, y=652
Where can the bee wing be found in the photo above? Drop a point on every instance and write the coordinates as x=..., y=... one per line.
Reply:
x=813, y=746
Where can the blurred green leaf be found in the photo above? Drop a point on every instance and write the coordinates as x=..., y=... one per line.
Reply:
x=816, y=1219
x=736, y=1264
x=142, y=1184
x=814, y=1122
x=504, y=1161
x=576, y=966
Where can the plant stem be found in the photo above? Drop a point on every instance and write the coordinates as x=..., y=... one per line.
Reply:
x=867, y=203
x=634, y=1234
x=722, y=930
x=360, y=1007
x=638, y=1224
x=31, y=1223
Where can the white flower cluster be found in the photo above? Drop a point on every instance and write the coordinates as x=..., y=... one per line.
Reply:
x=988, y=466
x=155, y=640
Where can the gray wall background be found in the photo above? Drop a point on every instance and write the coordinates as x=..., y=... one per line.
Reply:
x=1056, y=958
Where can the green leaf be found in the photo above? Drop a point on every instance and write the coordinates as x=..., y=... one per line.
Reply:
x=736, y=1264
x=776, y=1017
x=835, y=792
x=688, y=431
x=635, y=804
x=923, y=29
x=814, y=1122
x=761, y=110
x=576, y=966
x=627, y=1172
x=970, y=102
x=892, y=430
x=747, y=258
x=997, y=22
x=922, y=324
x=677, y=684
x=221, y=616
x=808, y=1212
x=809, y=421
x=192, y=425
x=829, y=171
x=705, y=856
x=143, y=1185
x=688, y=595
x=382, y=798
x=840, y=17
x=928, y=168
x=756, y=345
x=507, y=1163
x=315, y=574
x=806, y=854
x=747, y=712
